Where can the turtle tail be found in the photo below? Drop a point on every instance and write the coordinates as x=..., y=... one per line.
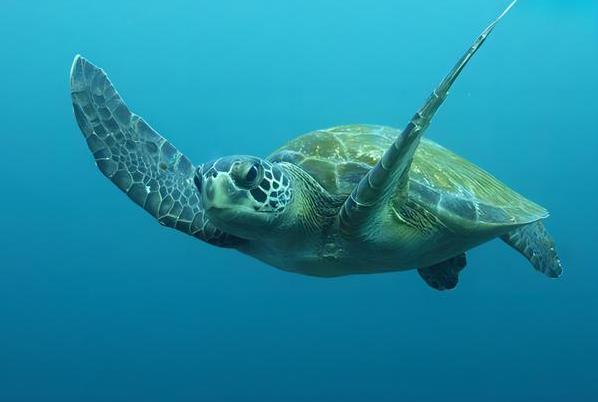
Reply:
x=536, y=244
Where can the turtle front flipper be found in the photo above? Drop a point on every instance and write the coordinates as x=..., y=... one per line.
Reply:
x=152, y=172
x=391, y=171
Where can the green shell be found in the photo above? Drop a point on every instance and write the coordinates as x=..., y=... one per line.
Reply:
x=439, y=180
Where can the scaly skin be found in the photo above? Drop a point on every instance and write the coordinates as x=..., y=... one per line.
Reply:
x=140, y=162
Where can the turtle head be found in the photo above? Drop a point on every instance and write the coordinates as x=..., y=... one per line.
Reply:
x=243, y=195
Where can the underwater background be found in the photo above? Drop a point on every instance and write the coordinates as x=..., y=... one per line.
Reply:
x=100, y=303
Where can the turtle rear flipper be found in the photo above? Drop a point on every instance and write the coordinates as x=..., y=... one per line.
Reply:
x=535, y=243
x=138, y=160
x=445, y=274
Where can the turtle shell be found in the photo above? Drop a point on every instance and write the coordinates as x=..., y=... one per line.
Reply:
x=439, y=180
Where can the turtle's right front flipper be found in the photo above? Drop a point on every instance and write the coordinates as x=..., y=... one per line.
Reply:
x=139, y=161
x=391, y=172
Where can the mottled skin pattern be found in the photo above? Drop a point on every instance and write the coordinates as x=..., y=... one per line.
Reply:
x=346, y=200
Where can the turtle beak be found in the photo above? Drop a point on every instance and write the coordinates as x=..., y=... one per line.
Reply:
x=218, y=191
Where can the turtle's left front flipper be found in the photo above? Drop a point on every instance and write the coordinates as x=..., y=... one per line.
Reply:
x=392, y=169
x=139, y=161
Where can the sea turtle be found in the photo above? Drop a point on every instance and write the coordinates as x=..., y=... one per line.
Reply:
x=346, y=200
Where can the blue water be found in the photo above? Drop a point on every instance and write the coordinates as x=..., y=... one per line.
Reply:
x=99, y=303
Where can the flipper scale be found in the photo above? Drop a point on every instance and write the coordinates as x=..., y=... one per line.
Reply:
x=140, y=162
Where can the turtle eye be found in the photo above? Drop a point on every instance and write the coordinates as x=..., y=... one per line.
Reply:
x=249, y=177
x=251, y=174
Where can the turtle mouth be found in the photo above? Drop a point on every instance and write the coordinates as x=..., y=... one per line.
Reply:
x=216, y=189
x=236, y=210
